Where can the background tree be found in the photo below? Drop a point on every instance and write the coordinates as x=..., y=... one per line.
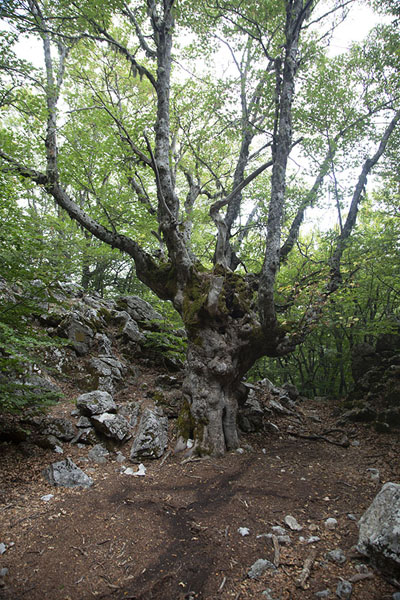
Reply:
x=140, y=150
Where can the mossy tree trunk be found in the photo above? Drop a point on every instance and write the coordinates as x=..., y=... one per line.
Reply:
x=224, y=341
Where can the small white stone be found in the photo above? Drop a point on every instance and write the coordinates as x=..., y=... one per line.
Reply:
x=330, y=523
x=244, y=531
x=292, y=523
x=47, y=497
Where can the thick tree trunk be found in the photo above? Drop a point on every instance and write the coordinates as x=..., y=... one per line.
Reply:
x=224, y=341
x=211, y=390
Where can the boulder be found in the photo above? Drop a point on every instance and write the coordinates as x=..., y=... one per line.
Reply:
x=131, y=333
x=104, y=345
x=67, y=474
x=95, y=403
x=80, y=334
x=140, y=310
x=379, y=536
x=98, y=454
x=104, y=372
x=251, y=415
x=152, y=436
x=61, y=428
x=113, y=426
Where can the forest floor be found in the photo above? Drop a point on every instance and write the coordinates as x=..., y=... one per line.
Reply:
x=173, y=534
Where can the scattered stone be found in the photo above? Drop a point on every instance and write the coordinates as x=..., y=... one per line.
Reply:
x=141, y=472
x=330, y=523
x=278, y=530
x=337, y=556
x=47, y=497
x=120, y=458
x=259, y=568
x=323, y=594
x=96, y=403
x=267, y=594
x=113, y=426
x=66, y=473
x=3, y=548
x=239, y=450
x=244, y=531
x=313, y=539
x=4, y=572
x=373, y=475
x=292, y=523
x=396, y=596
x=152, y=436
x=351, y=517
x=379, y=536
x=98, y=454
x=344, y=590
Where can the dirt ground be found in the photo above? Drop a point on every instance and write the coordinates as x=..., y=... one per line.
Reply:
x=173, y=534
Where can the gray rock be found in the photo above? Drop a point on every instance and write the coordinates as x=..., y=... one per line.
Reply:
x=140, y=310
x=330, y=523
x=131, y=332
x=80, y=334
x=396, y=596
x=105, y=372
x=67, y=474
x=278, y=530
x=259, y=568
x=104, y=344
x=3, y=572
x=292, y=523
x=336, y=556
x=373, y=475
x=96, y=403
x=85, y=436
x=98, y=454
x=83, y=423
x=344, y=589
x=113, y=426
x=251, y=415
x=152, y=436
x=379, y=535
x=61, y=428
x=323, y=594
x=121, y=317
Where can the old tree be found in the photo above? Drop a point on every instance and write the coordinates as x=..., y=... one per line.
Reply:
x=127, y=130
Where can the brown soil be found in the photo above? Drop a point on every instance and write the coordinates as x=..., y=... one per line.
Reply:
x=173, y=534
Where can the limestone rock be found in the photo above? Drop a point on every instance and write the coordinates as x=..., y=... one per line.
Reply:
x=98, y=454
x=140, y=310
x=131, y=332
x=344, y=589
x=96, y=403
x=259, y=568
x=152, y=436
x=67, y=474
x=379, y=536
x=61, y=428
x=113, y=426
x=80, y=334
x=105, y=371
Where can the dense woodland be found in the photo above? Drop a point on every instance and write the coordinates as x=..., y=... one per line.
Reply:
x=174, y=150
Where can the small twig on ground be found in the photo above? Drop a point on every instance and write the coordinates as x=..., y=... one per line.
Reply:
x=305, y=574
x=344, y=443
x=164, y=458
x=277, y=552
x=221, y=587
x=360, y=577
